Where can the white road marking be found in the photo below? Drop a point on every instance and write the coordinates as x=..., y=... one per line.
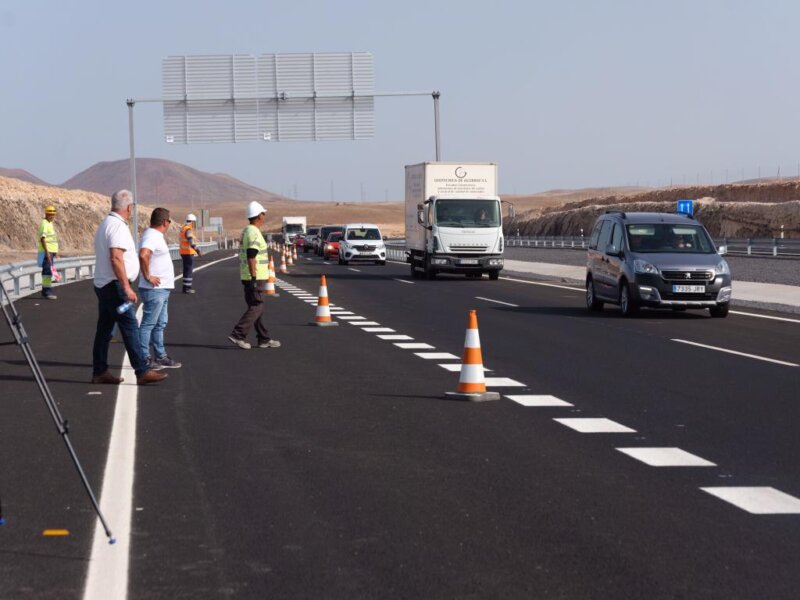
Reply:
x=666, y=457
x=757, y=500
x=341, y=312
x=415, y=346
x=595, y=425
x=395, y=337
x=402, y=280
x=747, y=314
x=436, y=355
x=531, y=400
x=725, y=350
x=349, y=318
x=352, y=269
x=364, y=323
x=561, y=287
x=502, y=382
x=95, y=394
x=497, y=301
x=456, y=367
x=379, y=329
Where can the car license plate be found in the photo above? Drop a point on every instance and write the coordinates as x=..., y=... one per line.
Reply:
x=688, y=289
x=468, y=261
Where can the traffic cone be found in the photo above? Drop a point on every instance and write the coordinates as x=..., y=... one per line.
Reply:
x=284, y=270
x=323, y=317
x=294, y=253
x=471, y=383
x=270, y=289
x=289, y=260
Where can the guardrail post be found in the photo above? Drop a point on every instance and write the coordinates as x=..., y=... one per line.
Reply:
x=32, y=285
x=749, y=246
x=16, y=287
x=774, y=247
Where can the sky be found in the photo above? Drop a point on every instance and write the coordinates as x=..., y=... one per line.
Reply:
x=560, y=94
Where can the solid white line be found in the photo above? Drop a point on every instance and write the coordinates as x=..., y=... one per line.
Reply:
x=595, y=425
x=725, y=350
x=562, y=287
x=757, y=500
x=530, y=400
x=402, y=280
x=747, y=314
x=496, y=301
x=666, y=457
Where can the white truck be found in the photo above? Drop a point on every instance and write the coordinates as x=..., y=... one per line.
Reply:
x=454, y=219
x=292, y=227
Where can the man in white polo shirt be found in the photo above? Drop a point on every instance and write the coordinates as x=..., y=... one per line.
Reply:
x=156, y=281
x=116, y=265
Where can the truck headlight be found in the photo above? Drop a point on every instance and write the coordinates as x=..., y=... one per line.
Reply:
x=439, y=261
x=722, y=268
x=496, y=262
x=642, y=266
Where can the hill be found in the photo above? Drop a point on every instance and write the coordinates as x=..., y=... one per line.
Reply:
x=164, y=183
x=22, y=175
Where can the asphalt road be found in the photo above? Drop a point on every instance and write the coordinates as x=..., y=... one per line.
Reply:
x=333, y=466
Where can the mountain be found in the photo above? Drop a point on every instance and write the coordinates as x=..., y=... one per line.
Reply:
x=164, y=182
x=21, y=174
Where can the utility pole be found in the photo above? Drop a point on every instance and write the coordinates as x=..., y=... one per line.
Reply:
x=331, y=190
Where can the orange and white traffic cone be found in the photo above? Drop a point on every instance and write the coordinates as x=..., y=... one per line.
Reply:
x=289, y=260
x=284, y=270
x=294, y=253
x=471, y=383
x=270, y=290
x=323, y=317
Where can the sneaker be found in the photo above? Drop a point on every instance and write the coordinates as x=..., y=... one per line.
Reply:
x=152, y=364
x=243, y=344
x=49, y=296
x=269, y=344
x=167, y=363
x=189, y=291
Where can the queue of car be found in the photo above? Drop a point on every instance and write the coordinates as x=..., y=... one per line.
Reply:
x=352, y=242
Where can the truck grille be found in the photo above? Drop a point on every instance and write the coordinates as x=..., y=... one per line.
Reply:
x=468, y=248
x=687, y=275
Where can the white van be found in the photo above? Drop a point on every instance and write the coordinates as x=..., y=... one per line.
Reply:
x=362, y=242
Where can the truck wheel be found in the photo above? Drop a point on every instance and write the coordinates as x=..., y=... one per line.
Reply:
x=494, y=275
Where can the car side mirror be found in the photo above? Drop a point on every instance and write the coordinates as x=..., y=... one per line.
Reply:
x=385, y=238
x=722, y=250
x=612, y=250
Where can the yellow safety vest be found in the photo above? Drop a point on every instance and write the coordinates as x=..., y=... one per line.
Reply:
x=48, y=232
x=186, y=246
x=252, y=239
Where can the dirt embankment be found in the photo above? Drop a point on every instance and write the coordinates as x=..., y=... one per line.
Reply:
x=22, y=209
x=739, y=210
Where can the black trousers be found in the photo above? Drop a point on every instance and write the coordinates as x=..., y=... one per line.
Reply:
x=252, y=316
x=188, y=267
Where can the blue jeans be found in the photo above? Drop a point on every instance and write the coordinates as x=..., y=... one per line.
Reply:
x=109, y=298
x=154, y=321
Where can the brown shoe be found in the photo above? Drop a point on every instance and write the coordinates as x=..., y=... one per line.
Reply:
x=151, y=377
x=108, y=378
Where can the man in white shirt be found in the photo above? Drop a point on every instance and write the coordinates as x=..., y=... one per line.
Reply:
x=156, y=281
x=116, y=266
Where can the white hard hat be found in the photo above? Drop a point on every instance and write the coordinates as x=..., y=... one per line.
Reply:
x=254, y=209
x=191, y=217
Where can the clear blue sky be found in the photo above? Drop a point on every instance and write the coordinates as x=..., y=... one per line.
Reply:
x=561, y=94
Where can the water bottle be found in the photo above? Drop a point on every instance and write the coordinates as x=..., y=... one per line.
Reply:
x=124, y=306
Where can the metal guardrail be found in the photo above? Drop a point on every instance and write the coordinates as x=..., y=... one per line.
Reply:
x=789, y=248
x=24, y=278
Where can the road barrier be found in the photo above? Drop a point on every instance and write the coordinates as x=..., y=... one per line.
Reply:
x=23, y=278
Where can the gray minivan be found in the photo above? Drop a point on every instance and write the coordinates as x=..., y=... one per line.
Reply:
x=659, y=260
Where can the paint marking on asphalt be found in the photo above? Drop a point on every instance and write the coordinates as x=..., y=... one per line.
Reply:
x=726, y=351
x=436, y=355
x=415, y=346
x=496, y=301
x=666, y=457
x=364, y=323
x=533, y=400
x=553, y=285
x=336, y=313
x=503, y=382
x=595, y=425
x=747, y=314
x=95, y=394
x=392, y=336
x=379, y=329
x=456, y=367
x=352, y=269
x=402, y=280
x=757, y=500
x=349, y=318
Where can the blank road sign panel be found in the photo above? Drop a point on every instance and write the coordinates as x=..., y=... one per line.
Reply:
x=270, y=97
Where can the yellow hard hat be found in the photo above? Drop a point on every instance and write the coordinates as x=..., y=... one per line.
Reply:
x=50, y=210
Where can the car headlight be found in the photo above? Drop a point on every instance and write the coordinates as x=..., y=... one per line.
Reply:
x=642, y=266
x=723, y=268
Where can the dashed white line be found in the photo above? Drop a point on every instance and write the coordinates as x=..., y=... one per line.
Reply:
x=757, y=500
x=535, y=400
x=496, y=301
x=562, y=287
x=503, y=382
x=395, y=337
x=379, y=329
x=349, y=318
x=456, y=367
x=595, y=425
x=402, y=280
x=414, y=346
x=436, y=355
x=352, y=269
x=666, y=457
x=746, y=355
x=364, y=323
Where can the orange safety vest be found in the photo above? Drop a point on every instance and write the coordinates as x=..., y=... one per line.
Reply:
x=186, y=246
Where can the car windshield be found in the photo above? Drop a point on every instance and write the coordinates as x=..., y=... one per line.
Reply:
x=335, y=237
x=669, y=237
x=312, y=231
x=467, y=213
x=326, y=231
x=293, y=228
x=363, y=234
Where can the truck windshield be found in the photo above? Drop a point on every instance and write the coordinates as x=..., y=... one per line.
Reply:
x=293, y=228
x=666, y=237
x=467, y=213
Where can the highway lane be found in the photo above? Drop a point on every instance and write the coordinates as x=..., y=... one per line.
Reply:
x=333, y=467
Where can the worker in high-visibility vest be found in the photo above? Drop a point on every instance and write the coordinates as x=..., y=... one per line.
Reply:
x=188, y=251
x=48, y=250
x=254, y=273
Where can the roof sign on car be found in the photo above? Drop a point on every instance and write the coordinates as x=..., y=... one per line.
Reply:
x=686, y=207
